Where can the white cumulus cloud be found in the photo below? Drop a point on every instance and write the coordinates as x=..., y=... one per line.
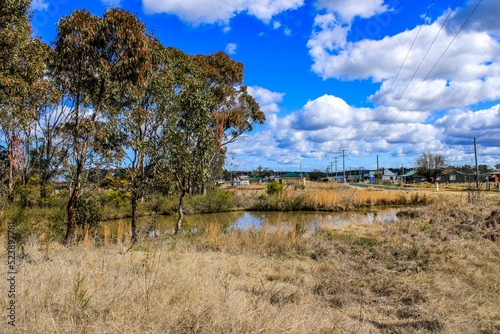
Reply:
x=484, y=17
x=461, y=126
x=219, y=11
x=268, y=101
x=452, y=71
x=349, y=9
x=327, y=124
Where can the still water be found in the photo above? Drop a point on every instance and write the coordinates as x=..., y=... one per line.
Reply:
x=245, y=220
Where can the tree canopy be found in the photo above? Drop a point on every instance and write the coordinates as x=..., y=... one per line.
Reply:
x=430, y=165
x=22, y=65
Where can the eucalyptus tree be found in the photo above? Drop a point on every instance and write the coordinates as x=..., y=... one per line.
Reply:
x=234, y=111
x=92, y=55
x=188, y=140
x=143, y=113
x=21, y=68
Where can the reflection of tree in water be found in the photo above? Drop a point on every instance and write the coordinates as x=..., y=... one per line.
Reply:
x=299, y=222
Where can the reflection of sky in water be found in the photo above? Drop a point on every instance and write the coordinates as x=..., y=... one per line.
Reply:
x=244, y=221
x=249, y=221
x=311, y=221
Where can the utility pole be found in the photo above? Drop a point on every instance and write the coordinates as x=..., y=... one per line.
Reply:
x=376, y=175
x=331, y=167
x=477, y=168
x=343, y=161
x=336, y=165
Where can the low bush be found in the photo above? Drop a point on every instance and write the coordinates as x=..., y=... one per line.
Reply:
x=274, y=187
x=88, y=210
x=117, y=198
x=215, y=200
x=285, y=202
x=46, y=223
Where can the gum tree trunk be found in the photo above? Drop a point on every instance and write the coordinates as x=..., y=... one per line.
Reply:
x=133, y=202
x=178, y=226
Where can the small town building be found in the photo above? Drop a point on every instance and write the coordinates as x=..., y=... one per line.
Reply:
x=293, y=179
x=255, y=179
x=242, y=180
x=412, y=177
x=452, y=175
x=388, y=175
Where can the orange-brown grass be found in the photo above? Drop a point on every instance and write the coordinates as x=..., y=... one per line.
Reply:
x=349, y=197
x=434, y=271
x=317, y=196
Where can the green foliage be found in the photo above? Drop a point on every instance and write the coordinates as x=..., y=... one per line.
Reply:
x=285, y=203
x=21, y=69
x=116, y=198
x=80, y=299
x=35, y=222
x=274, y=187
x=236, y=110
x=108, y=182
x=28, y=193
x=123, y=91
x=157, y=204
x=88, y=210
x=216, y=200
x=316, y=175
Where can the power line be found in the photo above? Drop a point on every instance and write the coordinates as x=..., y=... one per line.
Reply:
x=431, y=70
x=414, y=73
x=435, y=64
x=399, y=71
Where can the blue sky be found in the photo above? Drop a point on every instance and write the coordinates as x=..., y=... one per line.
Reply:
x=391, y=78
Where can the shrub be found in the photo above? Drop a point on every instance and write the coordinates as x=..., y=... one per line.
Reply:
x=156, y=203
x=116, y=198
x=29, y=193
x=88, y=211
x=216, y=200
x=48, y=223
x=274, y=187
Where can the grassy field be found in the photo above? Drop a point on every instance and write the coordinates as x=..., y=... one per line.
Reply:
x=433, y=271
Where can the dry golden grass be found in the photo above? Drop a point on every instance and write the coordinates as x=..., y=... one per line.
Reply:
x=434, y=271
x=347, y=197
x=333, y=197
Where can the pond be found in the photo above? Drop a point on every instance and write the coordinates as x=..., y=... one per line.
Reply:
x=247, y=220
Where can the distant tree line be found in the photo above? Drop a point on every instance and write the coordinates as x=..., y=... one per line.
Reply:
x=106, y=92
